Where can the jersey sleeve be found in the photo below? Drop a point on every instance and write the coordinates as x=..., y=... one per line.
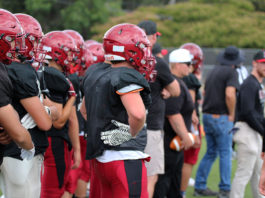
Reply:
x=126, y=80
x=24, y=80
x=233, y=79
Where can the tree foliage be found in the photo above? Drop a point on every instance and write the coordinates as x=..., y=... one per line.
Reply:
x=79, y=15
x=207, y=24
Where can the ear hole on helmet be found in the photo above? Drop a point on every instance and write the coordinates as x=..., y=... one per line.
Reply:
x=133, y=53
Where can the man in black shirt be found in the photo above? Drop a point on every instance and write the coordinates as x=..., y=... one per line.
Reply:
x=178, y=122
x=250, y=122
x=218, y=116
x=156, y=112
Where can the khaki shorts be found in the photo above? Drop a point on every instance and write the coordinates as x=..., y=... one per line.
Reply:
x=155, y=148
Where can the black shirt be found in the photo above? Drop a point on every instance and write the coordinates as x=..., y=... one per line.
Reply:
x=182, y=104
x=156, y=111
x=216, y=82
x=103, y=104
x=250, y=104
x=6, y=91
x=26, y=84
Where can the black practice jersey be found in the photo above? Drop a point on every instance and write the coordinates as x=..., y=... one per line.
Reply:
x=58, y=87
x=6, y=92
x=26, y=84
x=103, y=104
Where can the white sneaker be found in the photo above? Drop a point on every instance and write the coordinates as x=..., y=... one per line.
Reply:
x=191, y=182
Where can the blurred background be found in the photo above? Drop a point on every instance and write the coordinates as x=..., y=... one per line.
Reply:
x=212, y=24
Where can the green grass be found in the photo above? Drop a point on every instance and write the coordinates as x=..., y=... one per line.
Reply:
x=213, y=179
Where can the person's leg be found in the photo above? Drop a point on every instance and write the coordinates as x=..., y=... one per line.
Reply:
x=52, y=181
x=190, y=159
x=151, y=182
x=81, y=189
x=122, y=179
x=224, y=145
x=165, y=180
x=256, y=171
x=210, y=155
x=247, y=151
x=95, y=184
x=22, y=178
x=186, y=173
x=155, y=148
x=174, y=190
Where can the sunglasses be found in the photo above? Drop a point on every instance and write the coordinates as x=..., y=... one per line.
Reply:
x=187, y=63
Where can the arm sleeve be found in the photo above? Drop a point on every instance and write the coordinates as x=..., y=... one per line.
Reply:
x=248, y=95
x=24, y=81
x=129, y=80
x=174, y=104
x=232, y=79
x=5, y=98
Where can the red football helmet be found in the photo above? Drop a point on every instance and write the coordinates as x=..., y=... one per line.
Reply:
x=10, y=30
x=128, y=42
x=79, y=41
x=59, y=47
x=87, y=42
x=197, y=53
x=97, y=51
x=33, y=33
x=88, y=60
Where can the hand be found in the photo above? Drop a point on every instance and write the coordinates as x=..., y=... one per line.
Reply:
x=116, y=136
x=231, y=118
x=165, y=94
x=28, y=122
x=77, y=159
x=4, y=137
x=194, y=118
x=71, y=90
x=186, y=141
x=197, y=142
x=27, y=154
x=262, y=180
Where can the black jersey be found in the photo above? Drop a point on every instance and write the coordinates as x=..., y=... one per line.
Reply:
x=58, y=87
x=6, y=92
x=26, y=84
x=103, y=104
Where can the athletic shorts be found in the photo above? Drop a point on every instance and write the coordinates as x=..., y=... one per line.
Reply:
x=155, y=148
x=123, y=178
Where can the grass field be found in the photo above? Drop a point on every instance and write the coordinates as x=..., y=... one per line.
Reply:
x=213, y=179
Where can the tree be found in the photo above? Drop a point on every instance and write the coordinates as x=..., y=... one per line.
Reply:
x=79, y=15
